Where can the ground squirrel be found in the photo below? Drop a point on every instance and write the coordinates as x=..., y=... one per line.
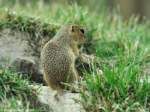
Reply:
x=59, y=54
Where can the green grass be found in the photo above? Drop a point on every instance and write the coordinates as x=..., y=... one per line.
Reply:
x=16, y=93
x=14, y=104
x=118, y=89
x=122, y=49
x=27, y=24
x=13, y=85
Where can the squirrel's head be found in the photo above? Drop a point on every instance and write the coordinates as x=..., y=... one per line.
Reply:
x=77, y=33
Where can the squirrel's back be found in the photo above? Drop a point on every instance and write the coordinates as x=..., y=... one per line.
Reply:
x=56, y=61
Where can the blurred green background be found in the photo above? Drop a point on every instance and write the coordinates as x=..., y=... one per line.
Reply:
x=126, y=8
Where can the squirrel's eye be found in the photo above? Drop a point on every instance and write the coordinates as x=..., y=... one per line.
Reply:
x=82, y=31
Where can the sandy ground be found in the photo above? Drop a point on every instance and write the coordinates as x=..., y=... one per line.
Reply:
x=12, y=46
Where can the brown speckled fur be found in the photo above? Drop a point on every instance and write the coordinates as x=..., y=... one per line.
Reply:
x=58, y=57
